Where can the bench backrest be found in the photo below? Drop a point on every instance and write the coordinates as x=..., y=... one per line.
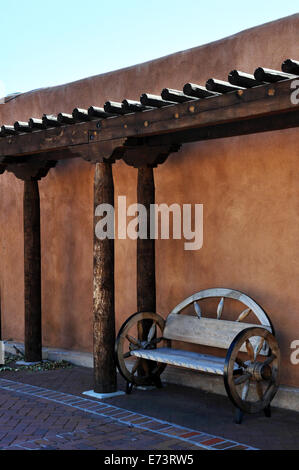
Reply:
x=210, y=331
x=205, y=331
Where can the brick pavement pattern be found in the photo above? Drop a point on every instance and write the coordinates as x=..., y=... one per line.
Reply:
x=35, y=418
x=29, y=423
x=188, y=410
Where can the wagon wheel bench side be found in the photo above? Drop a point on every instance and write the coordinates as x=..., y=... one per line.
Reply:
x=250, y=370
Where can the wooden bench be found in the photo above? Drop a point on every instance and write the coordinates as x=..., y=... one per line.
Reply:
x=250, y=368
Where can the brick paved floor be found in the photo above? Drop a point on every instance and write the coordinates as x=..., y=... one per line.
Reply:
x=35, y=418
x=30, y=423
x=49, y=414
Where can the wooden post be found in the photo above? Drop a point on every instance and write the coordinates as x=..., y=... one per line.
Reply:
x=146, y=273
x=32, y=272
x=103, y=290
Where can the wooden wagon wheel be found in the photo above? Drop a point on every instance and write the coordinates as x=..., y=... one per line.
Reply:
x=127, y=341
x=251, y=380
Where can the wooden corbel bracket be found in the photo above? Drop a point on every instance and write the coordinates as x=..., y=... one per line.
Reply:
x=135, y=152
x=105, y=151
x=148, y=155
x=34, y=170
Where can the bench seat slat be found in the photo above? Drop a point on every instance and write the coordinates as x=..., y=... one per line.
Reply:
x=207, y=331
x=182, y=358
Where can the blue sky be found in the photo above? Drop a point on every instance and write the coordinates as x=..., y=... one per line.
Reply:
x=49, y=43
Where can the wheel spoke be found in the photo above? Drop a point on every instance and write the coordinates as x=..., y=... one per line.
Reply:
x=220, y=308
x=155, y=341
x=197, y=309
x=269, y=386
x=127, y=354
x=258, y=348
x=244, y=314
x=250, y=350
x=245, y=389
x=243, y=378
x=259, y=389
x=151, y=333
x=269, y=360
x=133, y=340
x=238, y=372
x=136, y=365
x=240, y=363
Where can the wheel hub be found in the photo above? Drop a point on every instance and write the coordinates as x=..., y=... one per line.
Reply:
x=259, y=371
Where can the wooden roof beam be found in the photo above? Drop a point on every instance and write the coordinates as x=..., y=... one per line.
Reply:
x=290, y=66
x=249, y=104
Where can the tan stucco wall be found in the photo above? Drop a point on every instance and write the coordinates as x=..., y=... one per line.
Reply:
x=248, y=186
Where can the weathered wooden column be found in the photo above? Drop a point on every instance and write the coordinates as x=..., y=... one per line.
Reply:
x=103, y=290
x=31, y=172
x=103, y=155
x=146, y=273
x=146, y=268
x=32, y=272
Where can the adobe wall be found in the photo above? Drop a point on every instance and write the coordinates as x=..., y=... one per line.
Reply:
x=248, y=186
